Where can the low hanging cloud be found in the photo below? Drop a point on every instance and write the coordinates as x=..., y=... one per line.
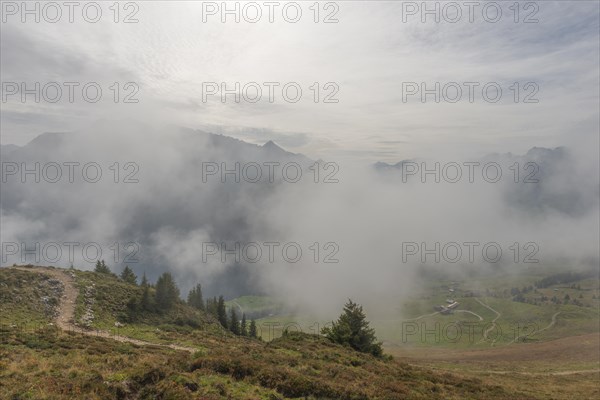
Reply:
x=338, y=231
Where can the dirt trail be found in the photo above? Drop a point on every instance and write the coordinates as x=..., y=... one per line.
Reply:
x=470, y=312
x=423, y=316
x=66, y=310
x=553, y=373
x=493, y=323
x=548, y=373
x=550, y=325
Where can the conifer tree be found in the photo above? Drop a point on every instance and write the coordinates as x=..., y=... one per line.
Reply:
x=101, y=267
x=244, y=326
x=222, y=312
x=212, y=307
x=234, y=323
x=145, y=301
x=105, y=267
x=167, y=292
x=191, y=297
x=353, y=329
x=129, y=276
x=195, y=298
x=252, y=332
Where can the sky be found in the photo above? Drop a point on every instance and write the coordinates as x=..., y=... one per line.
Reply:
x=175, y=49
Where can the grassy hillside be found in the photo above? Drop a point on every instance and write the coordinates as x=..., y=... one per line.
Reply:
x=27, y=300
x=54, y=366
x=106, y=299
x=51, y=364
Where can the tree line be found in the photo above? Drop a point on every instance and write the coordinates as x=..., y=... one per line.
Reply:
x=351, y=329
x=216, y=307
x=564, y=277
x=166, y=294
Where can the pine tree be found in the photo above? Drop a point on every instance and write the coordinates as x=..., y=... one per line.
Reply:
x=214, y=307
x=199, y=298
x=210, y=306
x=244, y=326
x=167, y=292
x=253, y=329
x=145, y=301
x=191, y=297
x=105, y=268
x=353, y=329
x=144, y=280
x=101, y=267
x=195, y=298
x=222, y=312
x=234, y=323
x=129, y=276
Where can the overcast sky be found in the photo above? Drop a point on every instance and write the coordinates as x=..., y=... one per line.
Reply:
x=368, y=54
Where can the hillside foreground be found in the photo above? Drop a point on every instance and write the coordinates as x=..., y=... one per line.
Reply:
x=46, y=353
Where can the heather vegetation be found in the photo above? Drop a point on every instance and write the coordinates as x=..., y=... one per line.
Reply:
x=223, y=359
x=219, y=355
